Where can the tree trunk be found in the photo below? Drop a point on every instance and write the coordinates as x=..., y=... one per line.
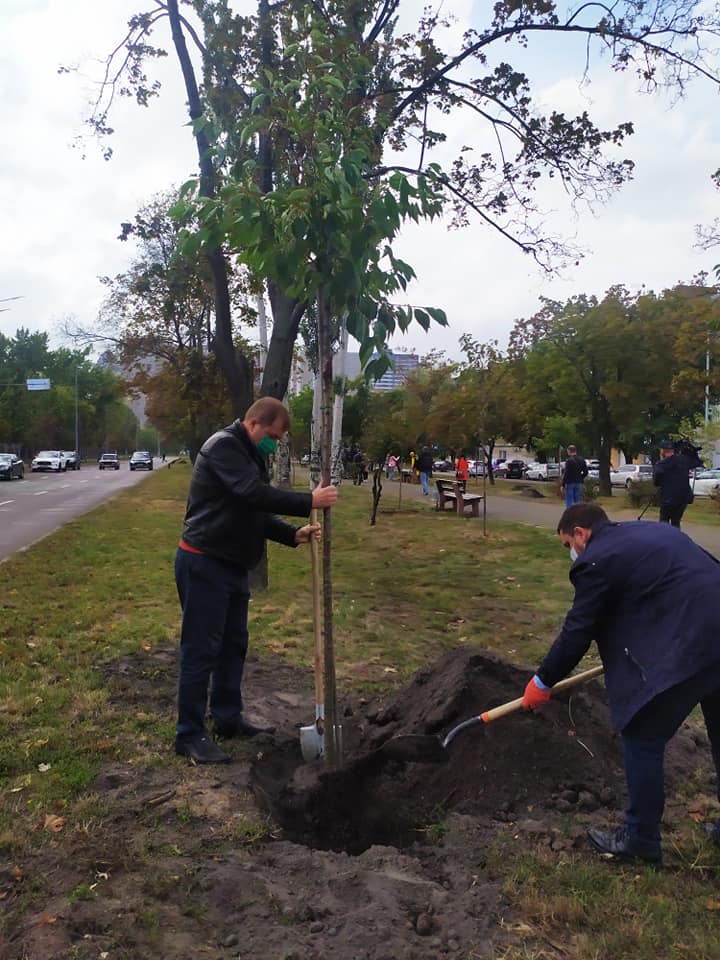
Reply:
x=287, y=314
x=333, y=745
x=235, y=366
x=336, y=462
x=315, y=432
x=282, y=464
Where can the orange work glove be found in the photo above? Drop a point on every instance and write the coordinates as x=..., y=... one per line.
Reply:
x=536, y=694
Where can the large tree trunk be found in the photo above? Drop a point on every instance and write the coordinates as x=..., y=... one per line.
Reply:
x=286, y=314
x=236, y=367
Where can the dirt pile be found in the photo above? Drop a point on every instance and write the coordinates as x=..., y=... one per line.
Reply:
x=563, y=758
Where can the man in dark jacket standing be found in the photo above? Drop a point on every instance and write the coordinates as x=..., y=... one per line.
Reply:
x=573, y=475
x=647, y=594
x=424, y=466
x=231, y=510
x=672, y=474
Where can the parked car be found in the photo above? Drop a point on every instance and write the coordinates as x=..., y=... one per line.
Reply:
x=11, y=466
x=706, y=483
x=593, y=468
x=49, y=460
x=476, y=468
x=629, y=473
x=515, y=470
x=109, y=461
x=141, y=460
x=542, y=471
x=72, y=459
x=443, y=466
x=500, y=468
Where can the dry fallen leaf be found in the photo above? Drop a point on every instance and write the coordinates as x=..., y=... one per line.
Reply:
x=46, y=919
x=54, y=824
x=712, y=904
x=44, y=767
x=16, y=873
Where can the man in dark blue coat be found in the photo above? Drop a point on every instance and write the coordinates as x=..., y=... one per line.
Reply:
x=672, y=474
x=648, y=595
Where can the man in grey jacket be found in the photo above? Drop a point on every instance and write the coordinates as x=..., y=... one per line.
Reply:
x=231, y=510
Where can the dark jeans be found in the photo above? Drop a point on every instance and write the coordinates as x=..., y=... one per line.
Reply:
x=645, y=739
x=214, y=599
x=672, y=513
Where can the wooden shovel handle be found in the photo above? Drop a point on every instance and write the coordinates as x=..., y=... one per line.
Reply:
x=504, y=709
x=317, y=616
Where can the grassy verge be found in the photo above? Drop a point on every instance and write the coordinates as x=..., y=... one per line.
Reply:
x=406, y=589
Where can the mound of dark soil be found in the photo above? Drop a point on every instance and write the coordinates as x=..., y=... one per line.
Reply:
x=563, y=757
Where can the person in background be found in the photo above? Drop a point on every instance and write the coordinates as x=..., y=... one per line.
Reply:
x=392, y=465
x=462, y=467
x=424, y=466
x=231, y=511
x=647, y=595
x=672, y=474
x=573, y=475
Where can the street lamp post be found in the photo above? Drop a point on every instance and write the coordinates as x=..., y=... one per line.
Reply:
x=77, y=431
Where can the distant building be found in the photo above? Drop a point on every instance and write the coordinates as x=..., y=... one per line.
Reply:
x=403, y=365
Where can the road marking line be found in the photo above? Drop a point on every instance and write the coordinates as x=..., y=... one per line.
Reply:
x=4, y=503
x=64, y=486
x=40, y=493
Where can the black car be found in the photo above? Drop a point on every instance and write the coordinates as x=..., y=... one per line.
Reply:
x=109, y=461
x=72, y=459
x=515, y=470
x=11, y=466
x=141, y=460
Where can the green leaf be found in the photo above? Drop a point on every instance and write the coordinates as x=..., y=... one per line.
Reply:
x=439, y=316
x=422, y=318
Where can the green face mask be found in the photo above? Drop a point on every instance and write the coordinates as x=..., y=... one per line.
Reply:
x=266, y=446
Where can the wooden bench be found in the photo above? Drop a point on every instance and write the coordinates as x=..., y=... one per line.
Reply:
x=453, y=492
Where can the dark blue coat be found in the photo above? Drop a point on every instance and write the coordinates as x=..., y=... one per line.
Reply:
x=672, y=476
x=648, y=595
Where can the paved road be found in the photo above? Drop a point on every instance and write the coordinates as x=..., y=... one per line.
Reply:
x=32, y=508
x=546, y=513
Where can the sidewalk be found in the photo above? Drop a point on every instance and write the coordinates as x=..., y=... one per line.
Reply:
x=546, y=513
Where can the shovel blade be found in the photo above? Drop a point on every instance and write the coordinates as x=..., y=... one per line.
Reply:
x=415, y=748
x=312, y=744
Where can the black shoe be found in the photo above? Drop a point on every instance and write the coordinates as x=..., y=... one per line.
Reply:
x=619, y=843
x=200, y=749
x=241, y=728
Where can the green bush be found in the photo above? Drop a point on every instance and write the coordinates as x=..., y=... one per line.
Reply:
x=591, y=488
x=640, y=491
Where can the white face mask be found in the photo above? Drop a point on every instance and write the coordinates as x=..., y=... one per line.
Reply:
x=573, y=554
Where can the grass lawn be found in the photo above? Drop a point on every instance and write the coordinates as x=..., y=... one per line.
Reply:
x=406, y=589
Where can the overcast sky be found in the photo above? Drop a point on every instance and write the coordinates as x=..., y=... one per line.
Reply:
x=61, y=212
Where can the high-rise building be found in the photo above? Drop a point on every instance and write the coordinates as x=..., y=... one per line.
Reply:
x=403, y=365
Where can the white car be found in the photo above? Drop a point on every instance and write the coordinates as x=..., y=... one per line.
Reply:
x=706, y=483
x=49, y=460
x=542, y=471
x=630, y=473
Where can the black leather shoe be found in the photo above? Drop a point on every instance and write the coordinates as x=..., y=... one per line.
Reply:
x=241, y=728
x=200, y=749
x=619, y=843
